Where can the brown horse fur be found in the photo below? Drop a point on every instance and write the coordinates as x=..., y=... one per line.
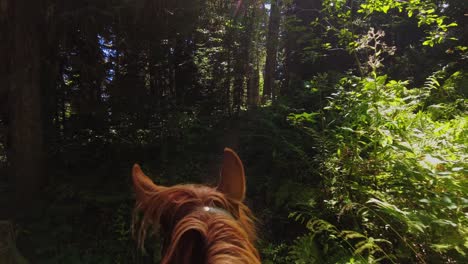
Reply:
x=192, y=232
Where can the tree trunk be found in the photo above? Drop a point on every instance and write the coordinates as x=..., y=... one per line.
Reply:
x=5, y=46
x=253, y=82
x=50, y=74
x=242, y=69
x=25, y=114
x=271, y=51
x=228, y=51
x=253, y=77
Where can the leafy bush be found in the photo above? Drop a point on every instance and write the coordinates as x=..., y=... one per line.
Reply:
x=396, y=172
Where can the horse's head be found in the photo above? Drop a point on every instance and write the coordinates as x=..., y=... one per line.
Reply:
x=197, y=221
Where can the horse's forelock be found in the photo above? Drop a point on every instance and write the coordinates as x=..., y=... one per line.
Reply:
x=178, y=210
x=220, y=238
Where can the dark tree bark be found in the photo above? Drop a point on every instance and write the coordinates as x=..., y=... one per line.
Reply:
x=27, y=147
x=5, y=53
x=253, y=83
x=238, y=90
x=5, y=45
x=50, y=75
x=271, y=51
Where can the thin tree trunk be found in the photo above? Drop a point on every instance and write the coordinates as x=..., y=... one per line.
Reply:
x=50, y=74
x=252, y=87
x=242, y=65
x=228, y=74
x=253, y=78
x=271, y=51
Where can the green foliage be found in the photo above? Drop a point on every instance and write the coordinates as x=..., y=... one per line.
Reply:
x=399, y=169
x=305, y=251
x=303, y=118
x=426, y=12
x=395, y=169
x=420, y=24
x=274, y=254
x=64, y=235
x=360, y=158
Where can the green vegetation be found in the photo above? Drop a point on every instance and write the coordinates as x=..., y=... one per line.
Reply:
x=350, y=117
x=394, y=173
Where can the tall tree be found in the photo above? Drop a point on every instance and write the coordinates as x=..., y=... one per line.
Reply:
x=27, y=147
x=253, y=74
x=5, y=44
x=271, y=50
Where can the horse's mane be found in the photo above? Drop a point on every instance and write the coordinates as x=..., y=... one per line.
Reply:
x=197, y=235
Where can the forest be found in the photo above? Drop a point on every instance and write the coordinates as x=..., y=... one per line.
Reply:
x=350, y=117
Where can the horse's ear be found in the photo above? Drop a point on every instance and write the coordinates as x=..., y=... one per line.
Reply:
x=144, y=186
x=232, y=181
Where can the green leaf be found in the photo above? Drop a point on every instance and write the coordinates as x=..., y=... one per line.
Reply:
x=385, y=9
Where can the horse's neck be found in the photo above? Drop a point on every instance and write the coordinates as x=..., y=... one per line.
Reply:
x=189, y=249
x=214, y=246
x=239, y=251
x=188, y=254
